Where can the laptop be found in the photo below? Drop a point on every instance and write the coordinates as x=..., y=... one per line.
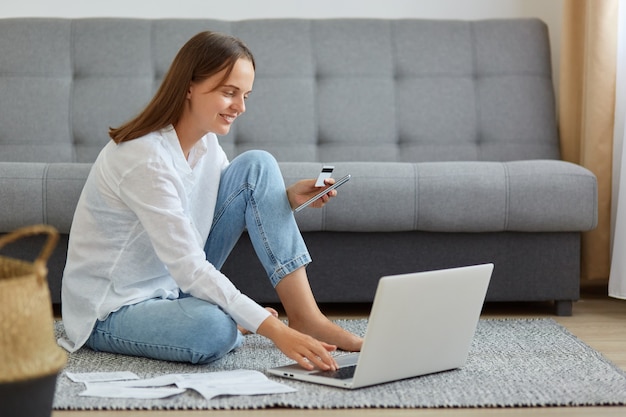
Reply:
x=420, y=323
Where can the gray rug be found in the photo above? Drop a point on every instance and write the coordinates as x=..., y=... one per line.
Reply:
x=512, y=363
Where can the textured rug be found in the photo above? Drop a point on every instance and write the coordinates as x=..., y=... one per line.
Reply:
x=512, y=363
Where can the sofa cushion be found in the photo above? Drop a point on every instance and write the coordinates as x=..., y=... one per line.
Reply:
x=35, y=193
x=520, y=196
x=401, y=90
x=21, y=199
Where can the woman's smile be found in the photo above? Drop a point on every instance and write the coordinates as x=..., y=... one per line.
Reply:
x=229, y=118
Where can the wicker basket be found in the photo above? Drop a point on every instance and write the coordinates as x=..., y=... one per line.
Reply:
x=30, y=359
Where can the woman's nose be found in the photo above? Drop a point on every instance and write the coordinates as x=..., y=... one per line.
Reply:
x=239, y=104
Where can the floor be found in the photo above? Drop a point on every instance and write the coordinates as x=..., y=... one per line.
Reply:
x=598, y=320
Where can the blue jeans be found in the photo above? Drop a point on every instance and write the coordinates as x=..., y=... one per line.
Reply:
x=251, y=196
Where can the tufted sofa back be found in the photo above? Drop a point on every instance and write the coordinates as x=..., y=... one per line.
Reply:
x=325, y=90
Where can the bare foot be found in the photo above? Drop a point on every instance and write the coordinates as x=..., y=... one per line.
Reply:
x=305, y=316
x=245, y=331
x=326, y=331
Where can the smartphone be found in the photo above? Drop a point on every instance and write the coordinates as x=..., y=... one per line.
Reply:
x=337, y=183
x=327, y=171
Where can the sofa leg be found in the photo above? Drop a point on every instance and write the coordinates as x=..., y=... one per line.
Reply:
x=563, y=307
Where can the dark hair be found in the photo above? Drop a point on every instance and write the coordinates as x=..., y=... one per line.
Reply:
x=203, y=56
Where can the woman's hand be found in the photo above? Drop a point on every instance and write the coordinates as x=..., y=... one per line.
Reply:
x=304, y=349
x=303, y=190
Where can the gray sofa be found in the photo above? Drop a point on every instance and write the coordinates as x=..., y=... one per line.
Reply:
x=447, y=127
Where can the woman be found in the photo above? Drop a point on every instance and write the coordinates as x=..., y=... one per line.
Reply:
x=161, y=210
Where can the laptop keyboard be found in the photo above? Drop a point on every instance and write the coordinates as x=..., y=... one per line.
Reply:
x=346, y=372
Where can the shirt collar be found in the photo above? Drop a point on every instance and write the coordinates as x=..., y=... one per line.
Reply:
x=195, y=155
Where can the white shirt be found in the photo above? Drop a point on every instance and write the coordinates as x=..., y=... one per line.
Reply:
x=139, y=232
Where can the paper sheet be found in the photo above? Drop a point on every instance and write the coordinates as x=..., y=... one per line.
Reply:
x=101, y=376
x=232, y=383
x=106, y=390
x=209, y=385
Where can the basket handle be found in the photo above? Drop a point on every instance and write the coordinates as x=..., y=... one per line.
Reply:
x=46, y=251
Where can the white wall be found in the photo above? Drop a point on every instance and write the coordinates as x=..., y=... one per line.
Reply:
x=244, y=9
x=548, y=10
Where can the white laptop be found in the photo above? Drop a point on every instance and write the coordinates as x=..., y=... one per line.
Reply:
x=420, y=323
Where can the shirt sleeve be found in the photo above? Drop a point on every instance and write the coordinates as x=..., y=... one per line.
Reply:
x=154, y=193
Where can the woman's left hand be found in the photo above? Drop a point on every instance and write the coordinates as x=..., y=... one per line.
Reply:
x=303, y=190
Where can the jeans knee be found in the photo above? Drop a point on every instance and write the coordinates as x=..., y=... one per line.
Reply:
x=258, y=156
x=214, y=338
x=258, y=163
